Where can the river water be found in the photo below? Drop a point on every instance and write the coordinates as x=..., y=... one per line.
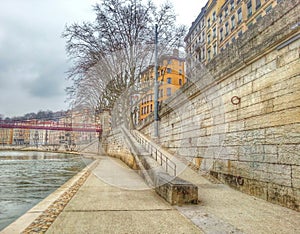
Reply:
x=26, y=178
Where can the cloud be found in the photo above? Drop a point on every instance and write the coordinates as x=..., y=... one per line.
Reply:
x=33, y=61
x=48, y=83
x=32, y=53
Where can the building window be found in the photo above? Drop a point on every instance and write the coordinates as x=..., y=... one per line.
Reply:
x=249, y=8
x=233, y=40
x=180, y=72
x=221, y=34
x=226, y=11
x=169, y=70
x=268, y=9
x=258, y=18
x=258, y=4
x=203, y=53
x=180, y=82
x=215, y=49
x=214, y=17
x=208, y=55
x=240, y=33
x=161, y=93
x=226, y=29
x=208, y=23
x=169, y=92
x=220, y=17
x=232, y=4
x=232, y=22
x=151, y=108
x=240, y=15
x=214, y=33
x=208, y=38
x=169, y=80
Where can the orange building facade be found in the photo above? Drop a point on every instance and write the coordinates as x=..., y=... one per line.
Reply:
x=219, y=24
x=171, y=76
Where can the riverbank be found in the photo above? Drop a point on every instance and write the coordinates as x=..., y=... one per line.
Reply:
x=34, y=149
x=41, y=216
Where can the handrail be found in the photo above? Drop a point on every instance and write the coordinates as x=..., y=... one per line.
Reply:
x=159, y=156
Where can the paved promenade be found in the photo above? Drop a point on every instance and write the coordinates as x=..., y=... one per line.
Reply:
x=115, y=199
x=225, y=210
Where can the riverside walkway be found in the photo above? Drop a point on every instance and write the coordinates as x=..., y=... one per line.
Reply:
x=115, y=199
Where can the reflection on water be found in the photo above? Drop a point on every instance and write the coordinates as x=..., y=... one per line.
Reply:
x=28, y=177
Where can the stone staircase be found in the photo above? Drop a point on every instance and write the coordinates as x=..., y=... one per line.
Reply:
x=173, y=189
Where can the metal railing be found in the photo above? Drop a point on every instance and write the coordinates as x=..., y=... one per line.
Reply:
x=159, y=156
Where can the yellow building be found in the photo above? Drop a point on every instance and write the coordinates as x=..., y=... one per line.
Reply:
x=219, y=24
x=213, y=8
x=237, y=16
x=171, y=76
x=6, y=136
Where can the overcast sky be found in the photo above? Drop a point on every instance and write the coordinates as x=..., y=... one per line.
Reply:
x=33, y=62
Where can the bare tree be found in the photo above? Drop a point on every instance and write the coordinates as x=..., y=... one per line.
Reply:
x=110, y=53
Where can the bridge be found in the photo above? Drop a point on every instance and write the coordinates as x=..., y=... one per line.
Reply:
x=49, y=125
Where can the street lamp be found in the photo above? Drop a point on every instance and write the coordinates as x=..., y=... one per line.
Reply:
x=156, y=86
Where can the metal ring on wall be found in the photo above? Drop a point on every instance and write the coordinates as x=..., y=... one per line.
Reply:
x=235, y=100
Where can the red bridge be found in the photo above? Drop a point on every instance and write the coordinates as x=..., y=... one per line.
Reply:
x=52, y=125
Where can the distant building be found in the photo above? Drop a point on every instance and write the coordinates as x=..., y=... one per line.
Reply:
x=213, y=8
x=171, y=76
x=219, y=24
x=237, y=16
x=196, y=42
x=6, y=136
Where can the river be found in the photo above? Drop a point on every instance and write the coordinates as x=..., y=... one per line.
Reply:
x=26, y=178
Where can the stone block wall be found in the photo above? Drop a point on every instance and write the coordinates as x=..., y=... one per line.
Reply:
x=115, y=146
x=239, y=118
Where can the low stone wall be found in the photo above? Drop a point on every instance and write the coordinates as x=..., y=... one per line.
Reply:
x=175, y=190
x=115, y=146
x=240, y=118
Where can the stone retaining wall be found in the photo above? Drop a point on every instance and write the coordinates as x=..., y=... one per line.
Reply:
x=240, y=118
x=115, y=146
